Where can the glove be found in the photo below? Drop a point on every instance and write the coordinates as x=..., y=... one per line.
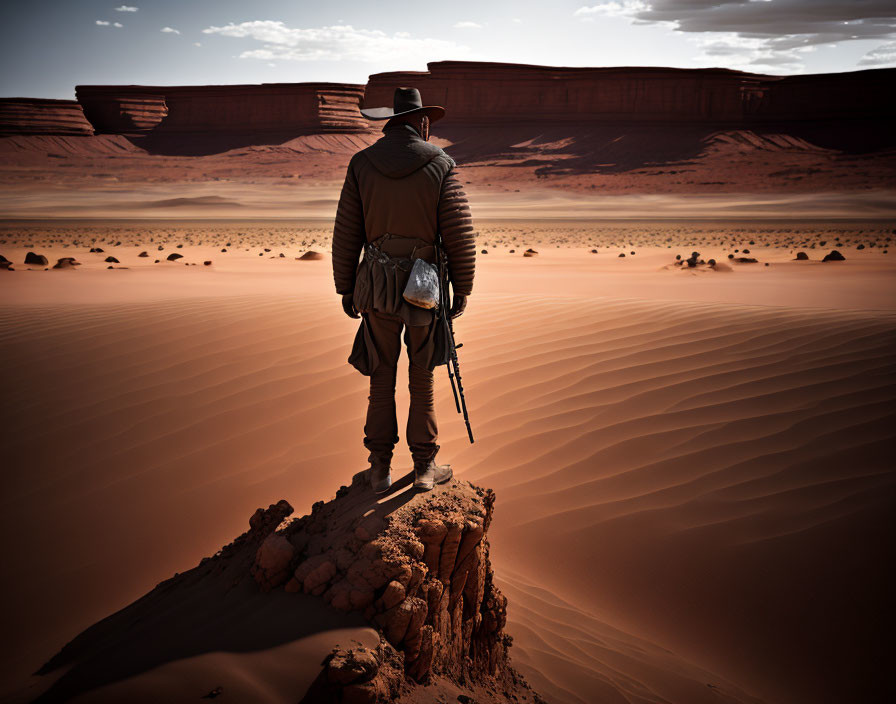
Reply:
x=348, y=306
x=457, y=306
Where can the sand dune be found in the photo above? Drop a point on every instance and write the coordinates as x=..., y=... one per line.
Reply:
x=694, y=484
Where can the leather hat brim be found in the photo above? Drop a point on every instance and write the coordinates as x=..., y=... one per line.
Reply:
x=435, y=112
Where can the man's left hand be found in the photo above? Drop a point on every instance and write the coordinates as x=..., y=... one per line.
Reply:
x=348, y=306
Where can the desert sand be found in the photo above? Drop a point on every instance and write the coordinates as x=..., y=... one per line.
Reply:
x=693, y=465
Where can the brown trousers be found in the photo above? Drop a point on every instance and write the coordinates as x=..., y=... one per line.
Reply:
x=381, y=427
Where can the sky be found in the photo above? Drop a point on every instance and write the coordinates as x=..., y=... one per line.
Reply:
x=49, y=47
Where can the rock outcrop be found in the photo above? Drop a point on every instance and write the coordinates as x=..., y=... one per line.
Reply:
x=34, y=116
x=415, y=567
x=419, y=571
x=266, y=107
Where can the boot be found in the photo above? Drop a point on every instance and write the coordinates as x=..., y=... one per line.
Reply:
x=380, y=473
x=427, y=473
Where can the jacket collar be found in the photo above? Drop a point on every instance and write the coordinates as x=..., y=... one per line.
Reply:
x=400, y=151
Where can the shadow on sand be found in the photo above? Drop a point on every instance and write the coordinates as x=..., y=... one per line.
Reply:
x=216, y=606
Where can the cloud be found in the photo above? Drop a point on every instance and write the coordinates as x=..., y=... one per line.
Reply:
x=611, y=9
x=197, y=44
x=758, y=33
x=334, y=43
x=880, y=56
x=170, y=30
x=117, y=24
x=516, y=20
x=466, y=24
x=103, y=23
x=126, y=8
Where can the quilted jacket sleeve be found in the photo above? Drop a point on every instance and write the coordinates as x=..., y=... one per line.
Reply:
x=348, y=234
x=458, y=235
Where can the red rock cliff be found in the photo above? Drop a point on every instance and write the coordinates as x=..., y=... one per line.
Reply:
x=42, y=116
x=112, y=110
x=265, y=107
x=481, y=92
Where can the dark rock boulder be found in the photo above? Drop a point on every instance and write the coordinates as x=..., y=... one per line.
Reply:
x=36, y=259
x=834, y=256
x=66, y=263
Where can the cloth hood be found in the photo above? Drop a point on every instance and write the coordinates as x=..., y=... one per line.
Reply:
x=400, y=151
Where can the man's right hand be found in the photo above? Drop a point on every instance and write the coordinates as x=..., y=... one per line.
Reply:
x=348, y=306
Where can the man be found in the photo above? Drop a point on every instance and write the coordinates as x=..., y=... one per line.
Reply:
x=399, y=195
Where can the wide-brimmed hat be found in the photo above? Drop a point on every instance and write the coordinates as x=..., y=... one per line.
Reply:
x=405, y=102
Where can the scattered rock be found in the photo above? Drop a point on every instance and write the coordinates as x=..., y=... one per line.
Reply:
x=174, y=256
x=37, y=259
x=111, y=260
x=621, y=254
x=310, y=255
x=802, y=257
x=834, y=256
x=143, y=254
x=746, y=260
x=207, y=262
x=484, y=251
x=66, y=263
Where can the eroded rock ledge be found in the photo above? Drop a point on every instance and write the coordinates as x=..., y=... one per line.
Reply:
x=417, y=566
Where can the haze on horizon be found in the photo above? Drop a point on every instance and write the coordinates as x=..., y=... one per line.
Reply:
x=49, y=48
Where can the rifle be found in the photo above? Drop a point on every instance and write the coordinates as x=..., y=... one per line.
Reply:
x=457, y=388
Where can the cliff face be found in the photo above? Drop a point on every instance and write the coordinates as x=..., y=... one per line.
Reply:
x=482, y=92
x=266, y=107
x=114, y=111
x=419, y=571
x=42, y=116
